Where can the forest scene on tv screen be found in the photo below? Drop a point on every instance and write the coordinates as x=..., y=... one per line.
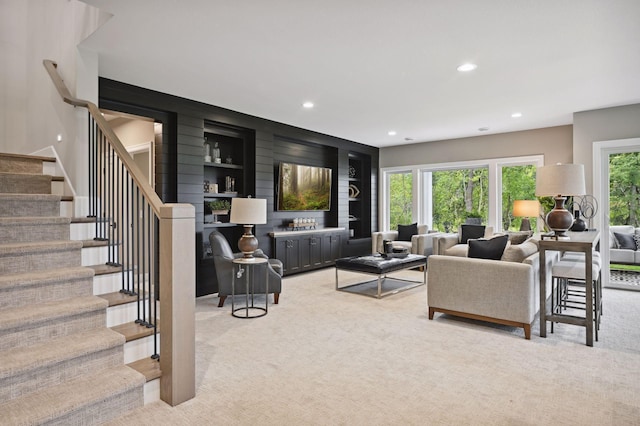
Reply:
x=304, y=187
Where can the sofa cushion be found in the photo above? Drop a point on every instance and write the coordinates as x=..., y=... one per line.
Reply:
x=621, y=229
x=519, y=252
x=518, y=237
x=488, y=249
x=405, y=232
x=459, y=250
x=468, y=232
x=625, y=241
x=636, y=238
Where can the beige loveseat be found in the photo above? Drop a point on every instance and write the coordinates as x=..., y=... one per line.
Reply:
x=500, y=291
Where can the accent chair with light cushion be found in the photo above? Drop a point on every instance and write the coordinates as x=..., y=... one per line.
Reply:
x=623, y=244
x=416, y=239
x=502, y=291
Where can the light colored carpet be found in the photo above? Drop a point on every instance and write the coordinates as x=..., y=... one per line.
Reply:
x=323, y=357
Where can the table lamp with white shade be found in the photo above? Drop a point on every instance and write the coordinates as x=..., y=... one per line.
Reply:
x=526, y=209
x=560, y=181
x=248, y=212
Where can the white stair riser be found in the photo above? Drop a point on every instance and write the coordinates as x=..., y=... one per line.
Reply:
x=139, y=349
x=49, y=168
x=152, y=391
x=122, y=314
x=107, y=283
x=96, y=255
x=82, y=231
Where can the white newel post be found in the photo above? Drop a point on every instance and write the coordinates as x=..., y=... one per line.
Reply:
x=177, y=303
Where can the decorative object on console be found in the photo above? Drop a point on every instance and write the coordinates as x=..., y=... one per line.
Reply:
x=248, y=212
x=579, y=225
x=216, y=154
x=300, y=223
x=560, y=181
x=526, y=209
x=587, y=208
x=353, y=191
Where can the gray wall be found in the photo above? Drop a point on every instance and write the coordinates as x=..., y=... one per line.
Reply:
x=555, y=143
x=602, y=125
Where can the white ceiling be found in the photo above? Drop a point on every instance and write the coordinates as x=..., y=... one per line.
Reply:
x=371, y=66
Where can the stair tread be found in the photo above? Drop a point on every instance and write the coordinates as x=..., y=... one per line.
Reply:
x=105, y=269
x=47, y=354
x=53, y=402
x=30, y=247
x=148, y=367
x=133, y=331
x=39, y=220
x=83, y=220
x=23, y=174
x=116, y=298
x=42, y=277
x=27, y=197
x=49, y=311
x=66, y=198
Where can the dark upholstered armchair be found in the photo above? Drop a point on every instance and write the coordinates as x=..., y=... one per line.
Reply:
x=222, y=259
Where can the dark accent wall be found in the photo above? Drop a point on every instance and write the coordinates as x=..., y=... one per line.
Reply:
x=182, y=159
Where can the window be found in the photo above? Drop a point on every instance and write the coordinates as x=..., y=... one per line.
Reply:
x=457, y=195
x=400, y=199
x=518, y=183
x=444, y=195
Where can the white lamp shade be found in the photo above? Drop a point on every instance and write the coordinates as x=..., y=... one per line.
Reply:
x=560, y=179
x=248, y=211
x=526, y=208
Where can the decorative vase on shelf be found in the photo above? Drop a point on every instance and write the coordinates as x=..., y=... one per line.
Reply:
x=216, y=154
x=207, y=151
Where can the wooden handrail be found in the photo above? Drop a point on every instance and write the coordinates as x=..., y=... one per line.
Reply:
x=113, y=139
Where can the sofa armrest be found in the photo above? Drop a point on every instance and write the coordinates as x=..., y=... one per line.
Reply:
x=443, y=242
x=423, y=243
x=378, y=237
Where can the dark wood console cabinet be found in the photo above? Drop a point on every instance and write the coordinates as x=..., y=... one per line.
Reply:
x=302, y=251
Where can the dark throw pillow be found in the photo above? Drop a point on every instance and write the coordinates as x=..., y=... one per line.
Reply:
x=469, y=232
x=625, y=241
x=405, y=232
x=488, y=249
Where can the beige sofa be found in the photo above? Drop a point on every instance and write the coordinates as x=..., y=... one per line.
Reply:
x=499, y=291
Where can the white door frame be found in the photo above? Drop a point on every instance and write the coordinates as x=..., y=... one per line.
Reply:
x=601, y=152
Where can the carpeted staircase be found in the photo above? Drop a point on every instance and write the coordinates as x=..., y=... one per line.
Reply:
x=59, y=363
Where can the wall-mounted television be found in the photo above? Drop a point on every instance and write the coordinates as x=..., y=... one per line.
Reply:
x=303, y=188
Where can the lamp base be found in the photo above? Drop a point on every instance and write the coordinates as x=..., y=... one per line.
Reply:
x=248, y=243
x=559, y=219
x=525, y=225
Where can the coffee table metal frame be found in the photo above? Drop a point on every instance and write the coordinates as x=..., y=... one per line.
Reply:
x=383, y=276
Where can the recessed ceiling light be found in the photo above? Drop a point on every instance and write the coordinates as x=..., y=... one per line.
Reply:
x=308, y=105
x=467, y=67
x=516, y=115
x=392, y=133
x=483, y=129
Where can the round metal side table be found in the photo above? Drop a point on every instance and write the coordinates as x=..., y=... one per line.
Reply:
x=247, y=266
